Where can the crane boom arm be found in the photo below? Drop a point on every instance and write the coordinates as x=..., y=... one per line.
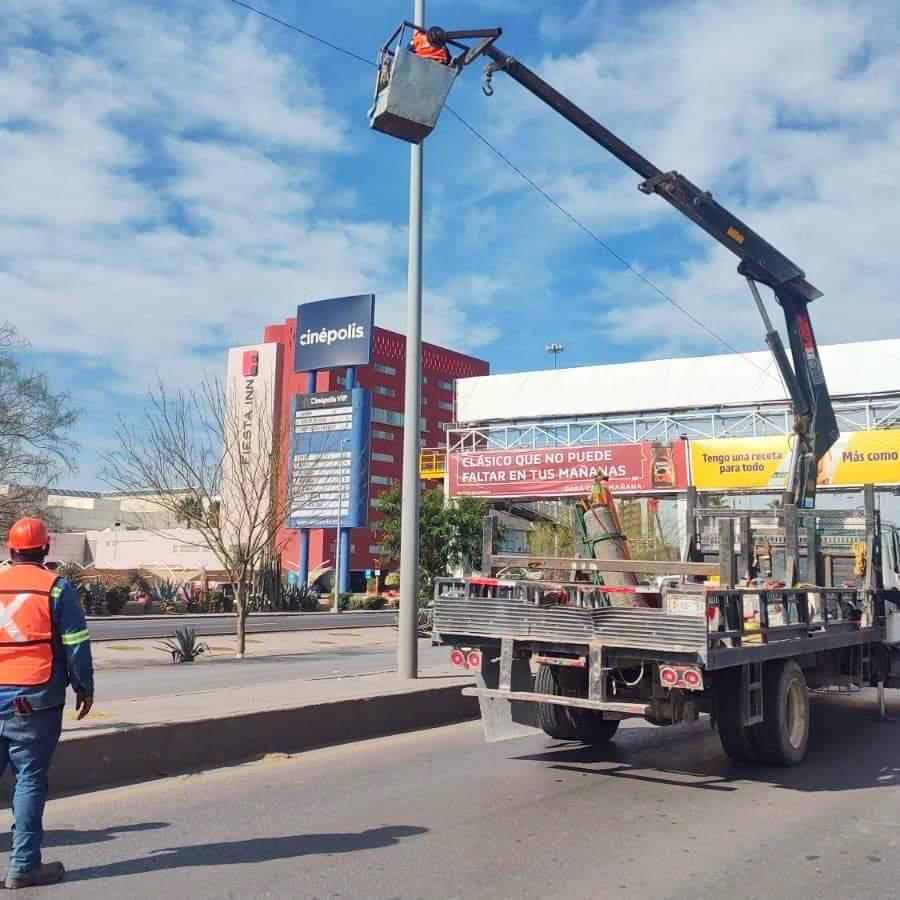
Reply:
x=815, y=423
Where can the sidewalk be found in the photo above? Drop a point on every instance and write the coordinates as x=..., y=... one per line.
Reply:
x=134, y=652
x=230, y=702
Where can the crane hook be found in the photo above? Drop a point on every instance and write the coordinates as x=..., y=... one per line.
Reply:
x=487, y=87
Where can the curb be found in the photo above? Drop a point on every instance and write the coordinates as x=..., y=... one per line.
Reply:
x=144, y=752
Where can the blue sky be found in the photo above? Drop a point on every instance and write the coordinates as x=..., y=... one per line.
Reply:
x=177, y=174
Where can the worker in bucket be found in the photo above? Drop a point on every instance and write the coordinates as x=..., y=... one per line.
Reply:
x=44, y=646
x=421, y=46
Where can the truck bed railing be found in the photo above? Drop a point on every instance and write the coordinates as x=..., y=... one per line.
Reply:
x=488, y=610
x=744, y=617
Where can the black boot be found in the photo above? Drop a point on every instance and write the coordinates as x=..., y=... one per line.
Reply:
x=45, y=873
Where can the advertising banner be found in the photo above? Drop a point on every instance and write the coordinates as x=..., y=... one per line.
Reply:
x=736, y=463
x=330, y=460
x=559, y=472
x=333, y=333
x=857, y=458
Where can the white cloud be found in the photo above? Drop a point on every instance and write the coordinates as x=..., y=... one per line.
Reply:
x=787, y=110
x=166, y=179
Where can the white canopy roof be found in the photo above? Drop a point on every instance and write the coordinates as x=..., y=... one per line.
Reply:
x=862, y=368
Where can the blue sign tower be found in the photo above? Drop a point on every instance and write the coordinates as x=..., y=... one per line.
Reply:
x=330, y=334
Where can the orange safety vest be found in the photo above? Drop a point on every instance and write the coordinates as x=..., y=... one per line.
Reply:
x=422, y=47
x=26, y=626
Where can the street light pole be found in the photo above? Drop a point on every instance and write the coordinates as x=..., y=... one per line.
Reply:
x=408, y=646
x=555, y=349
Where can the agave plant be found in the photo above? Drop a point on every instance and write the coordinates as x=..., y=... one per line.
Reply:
x=424, y=621
x=165, y=593
x=300, y=597
x=183, y=646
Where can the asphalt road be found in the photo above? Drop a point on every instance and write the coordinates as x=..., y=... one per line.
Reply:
x=257, y=623
x=209, y=675
x=661, y=813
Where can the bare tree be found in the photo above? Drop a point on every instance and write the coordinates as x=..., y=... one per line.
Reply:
x=35, y=426
x=217, y=467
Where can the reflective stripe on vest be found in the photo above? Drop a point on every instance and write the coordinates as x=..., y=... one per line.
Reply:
x=26, y=625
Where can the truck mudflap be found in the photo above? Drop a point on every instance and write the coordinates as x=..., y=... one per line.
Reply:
x=512, y=714
x=504, y=718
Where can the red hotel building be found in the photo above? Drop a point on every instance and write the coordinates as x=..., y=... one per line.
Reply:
x=383, y=378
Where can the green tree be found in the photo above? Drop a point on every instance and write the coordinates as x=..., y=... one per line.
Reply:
x=450, y=534
x=552, y=539
x=35, y=428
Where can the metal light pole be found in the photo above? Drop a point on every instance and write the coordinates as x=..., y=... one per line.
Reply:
x=337, y=533
x=408, y=646
x=555, y=349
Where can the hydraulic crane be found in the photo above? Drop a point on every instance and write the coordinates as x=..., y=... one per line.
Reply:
x=410, y=94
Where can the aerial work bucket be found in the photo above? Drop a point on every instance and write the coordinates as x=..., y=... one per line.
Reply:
x=409, y=95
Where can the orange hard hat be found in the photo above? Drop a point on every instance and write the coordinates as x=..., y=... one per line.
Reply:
x=28, y=534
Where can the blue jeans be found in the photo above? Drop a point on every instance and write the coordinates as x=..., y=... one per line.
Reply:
x=27, y=744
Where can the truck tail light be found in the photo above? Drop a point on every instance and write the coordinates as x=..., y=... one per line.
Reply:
x=457, y=657
x=689, y=678
x=474, y=659
x=668, y=676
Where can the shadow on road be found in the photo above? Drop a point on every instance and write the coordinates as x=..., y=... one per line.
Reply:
x=847, y=751
x=253, y=850
x=76, y=837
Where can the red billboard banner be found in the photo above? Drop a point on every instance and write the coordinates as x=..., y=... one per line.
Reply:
x=559, y=472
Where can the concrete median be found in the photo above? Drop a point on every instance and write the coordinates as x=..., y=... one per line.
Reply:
x=95, y=755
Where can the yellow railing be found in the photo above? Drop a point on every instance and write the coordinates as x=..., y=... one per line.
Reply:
x=432, y=463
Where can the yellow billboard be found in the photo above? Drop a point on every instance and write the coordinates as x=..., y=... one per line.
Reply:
x=857, y=457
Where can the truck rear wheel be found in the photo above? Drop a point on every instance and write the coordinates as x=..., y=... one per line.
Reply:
x=553, y=719
x=738, y=740
x=783, y=734
x=590, y=726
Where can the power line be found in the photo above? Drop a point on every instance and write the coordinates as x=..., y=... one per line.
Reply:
x=591, y=234
x=307, y=34
x=528, y=180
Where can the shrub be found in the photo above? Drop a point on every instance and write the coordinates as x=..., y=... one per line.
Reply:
x=93, y=598
x=116, y=597
x=300, y=598
x=183, y=646
x=72, y=572
x=214, y=601
x=376, y=602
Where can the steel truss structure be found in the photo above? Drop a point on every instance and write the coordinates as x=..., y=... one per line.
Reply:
x=853, y=414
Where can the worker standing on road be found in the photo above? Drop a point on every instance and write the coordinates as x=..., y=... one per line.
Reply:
x=44, y=645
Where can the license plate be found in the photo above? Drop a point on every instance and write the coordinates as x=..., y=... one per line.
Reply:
x=685, y=605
